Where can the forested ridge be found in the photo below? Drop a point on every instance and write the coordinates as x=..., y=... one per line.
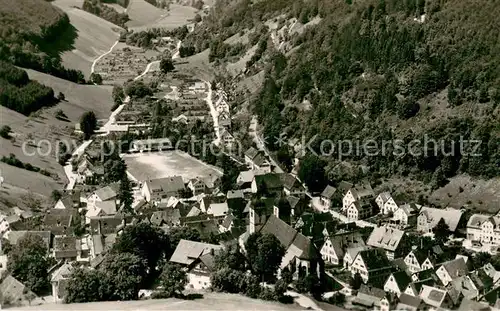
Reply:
x=374, y=69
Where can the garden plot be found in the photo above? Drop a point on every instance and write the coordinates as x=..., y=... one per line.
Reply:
x=124, y=62
x=143, y=166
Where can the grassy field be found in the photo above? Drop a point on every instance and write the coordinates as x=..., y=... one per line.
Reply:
x=94, y=36
x=44, y=126
x=144, y=15
x=197, y=66
x=211, y=301
x=167, y=163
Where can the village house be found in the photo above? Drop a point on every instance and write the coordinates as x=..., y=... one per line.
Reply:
x=270, y=184
x=450, y=270
x=436, y=297
x=386, y=203
x=68, y=201
x=221, y=105
x=406, y=215
x=335, y=246
x=154, y=190
x=65, y=248
x=59, y=281
x=409, y=303
x=245, y=178
x=100, y=209
x=292, y=186
x=169, y=217
x=193, y=256
x=351, y=253
x=484, y=229
x=418, y=260
x=218, y=210
x=256, y=160
x=204, y=185
x=358, y=193
x=108, y=193
x=18, y=293
x=371, y=264
x=224, y=120
x=14, y=236
x=156, y=144
x=473, y=285
x=373, y=298
x=87, y=172
x=326, y=198
x=104, y=225
x=428, y=218
x=58, y=221
x=359, y=210
x=389, y=239
x=397, y=282
x=227, y=224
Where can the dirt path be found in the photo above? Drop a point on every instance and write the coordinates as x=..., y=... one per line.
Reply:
x=214, y=113
x=148, y=67
x=92, y=68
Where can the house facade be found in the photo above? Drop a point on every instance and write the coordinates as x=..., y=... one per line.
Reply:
x=484, y=229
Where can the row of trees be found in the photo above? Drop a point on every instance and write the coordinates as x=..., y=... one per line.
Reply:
x=108, y=13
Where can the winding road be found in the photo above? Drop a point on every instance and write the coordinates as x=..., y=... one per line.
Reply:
x=214, y=113
x=68, y=168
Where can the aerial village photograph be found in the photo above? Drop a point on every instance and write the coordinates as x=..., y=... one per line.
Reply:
x=326, y=155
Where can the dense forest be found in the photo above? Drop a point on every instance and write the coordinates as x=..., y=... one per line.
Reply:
x=375, y=69
x=21, y=94
x=105, y=12
x=26, y=26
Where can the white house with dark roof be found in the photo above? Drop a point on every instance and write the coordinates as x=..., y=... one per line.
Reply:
x=450, y=270
x=484, y=229
x=326, y=197
x=397, y=282
x=357, y=193
x=359, y=210
x=59, y=281
x=351, y=253
x=218, y=210
x=386, y=203
x=428, y=218
x=154, y=190
x=103, y=194
x=389, y=239
x=406, y=215
x=197, y=260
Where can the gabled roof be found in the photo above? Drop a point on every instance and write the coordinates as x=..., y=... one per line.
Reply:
x=187, y=252
x=384, y=196
x=290, y=182
x=106, y=193
x=375, y=258
x=218, y=209
x=168, y=216
x=385, y=237
x=302, y=246
x=344, y=186
x=251, y=153
x=64, y=272
x=434, y=215
x=17, y=291
x=167, y=184
x=65, y=247
x=476, y=220
x=328, y=192
x=408, y=300
x=402, y=279
x=432, y=296
x=269, y=181
x=193, y=212
x=108, y=207
x=226, y=223
x=235, y=194
x=362, y=191
x=456, y=267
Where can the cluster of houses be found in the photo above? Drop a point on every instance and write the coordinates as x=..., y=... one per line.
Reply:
x=221, y=105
